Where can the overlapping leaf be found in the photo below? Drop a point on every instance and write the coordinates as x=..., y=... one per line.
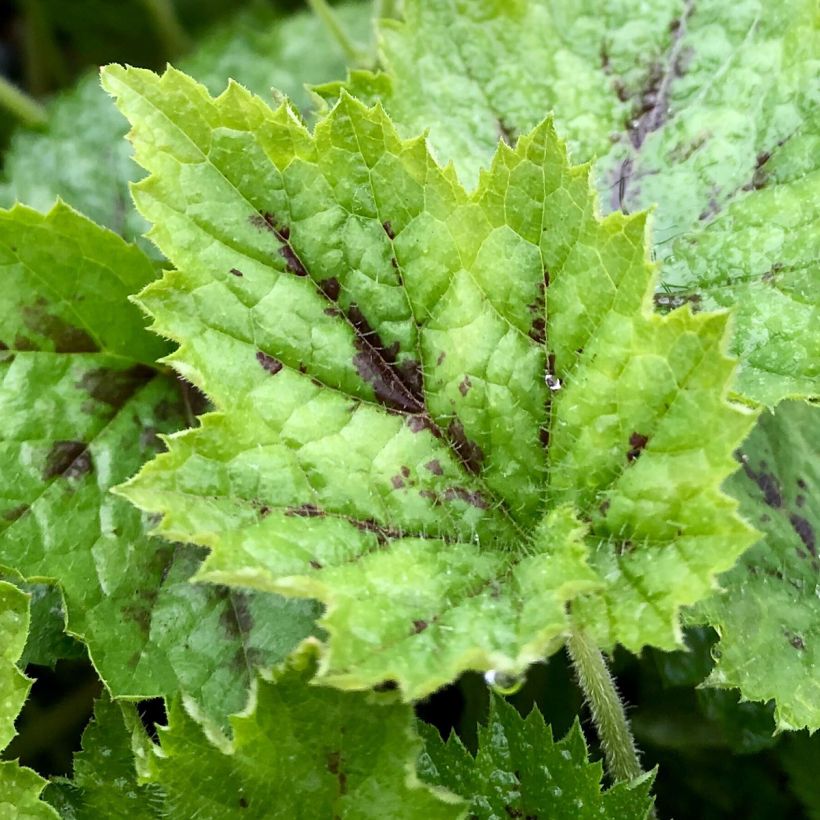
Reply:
x=83, y=157
x=706, y=109
x=769, y=617
x=19, y=787
x=443, y=414
x=298, y=751
x=82, y=407
x=519, y=771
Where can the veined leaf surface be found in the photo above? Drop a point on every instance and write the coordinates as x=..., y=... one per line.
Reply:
x=706, y=110
x=444, y=415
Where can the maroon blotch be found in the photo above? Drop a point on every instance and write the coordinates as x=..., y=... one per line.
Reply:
x=273, y=366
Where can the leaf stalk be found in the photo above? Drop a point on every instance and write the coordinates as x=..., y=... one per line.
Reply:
x=326, y=14
x=21, y=106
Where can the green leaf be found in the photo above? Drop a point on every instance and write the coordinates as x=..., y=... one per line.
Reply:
x=376, y=342
x=519, y=771
x=82, y=407
x=704, y=109
x=104, y=781
x=83, y=157
x=299, y=751
x=769, y=616
x=19, y=787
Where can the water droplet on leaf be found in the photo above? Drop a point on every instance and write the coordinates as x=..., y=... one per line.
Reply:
x=504, y=683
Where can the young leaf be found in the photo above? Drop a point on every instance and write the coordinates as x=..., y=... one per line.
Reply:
x=769, y=616
x=19, y=787
x=83, y=158
x=104, y=781
x=705, y=109
x=82, y=407
x=298, y=751
x=520, y=771
x=444, y=415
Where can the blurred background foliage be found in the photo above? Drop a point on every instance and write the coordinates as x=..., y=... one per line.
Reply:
x=717, y=757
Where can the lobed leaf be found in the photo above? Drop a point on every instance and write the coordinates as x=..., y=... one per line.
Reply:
x=768, y=618
x=519, y=771
x=706, y=110
x=83, y=407
x=20, y=788
x=445, y=415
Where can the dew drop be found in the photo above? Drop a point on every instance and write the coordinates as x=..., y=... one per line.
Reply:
x=504, y=683
x=553, y=382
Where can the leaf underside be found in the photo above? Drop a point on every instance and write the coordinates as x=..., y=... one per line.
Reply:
x=768, y=618
x=83, y=406
x=704, y=110
x=442, y=414
x=520, y=771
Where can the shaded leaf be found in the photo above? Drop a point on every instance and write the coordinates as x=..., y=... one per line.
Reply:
x=442, y=414
x=519, y=771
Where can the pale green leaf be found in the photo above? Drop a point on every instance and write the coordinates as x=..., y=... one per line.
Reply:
x=298, y=751
x=375, y=341
x=520, y=771
x=83, y=157
x=82, y=408
x=768, y=618
x=705, y=109
x=19, y=787
x=104, y=779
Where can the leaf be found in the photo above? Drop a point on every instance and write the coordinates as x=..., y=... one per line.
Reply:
x=82, y=156
x=82, y=407
x=519, y=771
x=705, y=109
x=104, y=781
x=769, y=617
x=298, y=751
x=19, y=787
x=375, y=341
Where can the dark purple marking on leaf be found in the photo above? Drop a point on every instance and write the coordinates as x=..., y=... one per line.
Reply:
x=604, y=506
x=236, y=618
x=802, y=484
x=767, y=482
x=3, y=346
x=397, y=481
x=405, y=471
x=305, y=511
x=771, y=273
x=243, y=802
x=68, y=459
x=544, y=436
x=394, y=262
x=333, y=311
x=263, y=510
x=267, y=221
x=410, y=373
x=65, y=337
x=273, y=366
x=16, y=512
x=24, y=344
x=236, y=272
x=464, y=387
x=115, y=387
x=670, y=301
x=760, y=175
x=441, y=357
x=419, y=626
x=637, y=443
x=434, y=467
x=538, y=330
x=795, y=640
x=315, y=564
x=471, y=497
x=388, y=229
x=334, y=766
x=805, y=532
x=471, y=455
x=505, y=132
x=331, y=288
x=625, y=547
x=383, y=534
x=800, y=501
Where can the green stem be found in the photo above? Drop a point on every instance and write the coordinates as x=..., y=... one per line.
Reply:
x=174, y=38
x=325, y=13
x=24, y=108
x=607, y=709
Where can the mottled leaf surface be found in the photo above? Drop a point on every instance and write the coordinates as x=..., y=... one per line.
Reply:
x=768, y=617
x=705, y=110
x=298, y=751
x=520, y=771
x=83, y=157
x=104, y=778
x=82, y=407
x=442, y=414
x=20, y=788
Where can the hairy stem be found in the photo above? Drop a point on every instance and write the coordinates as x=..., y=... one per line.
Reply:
x=607, y=709
x=163, y=15
x=22, y=107
x=326, y=14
